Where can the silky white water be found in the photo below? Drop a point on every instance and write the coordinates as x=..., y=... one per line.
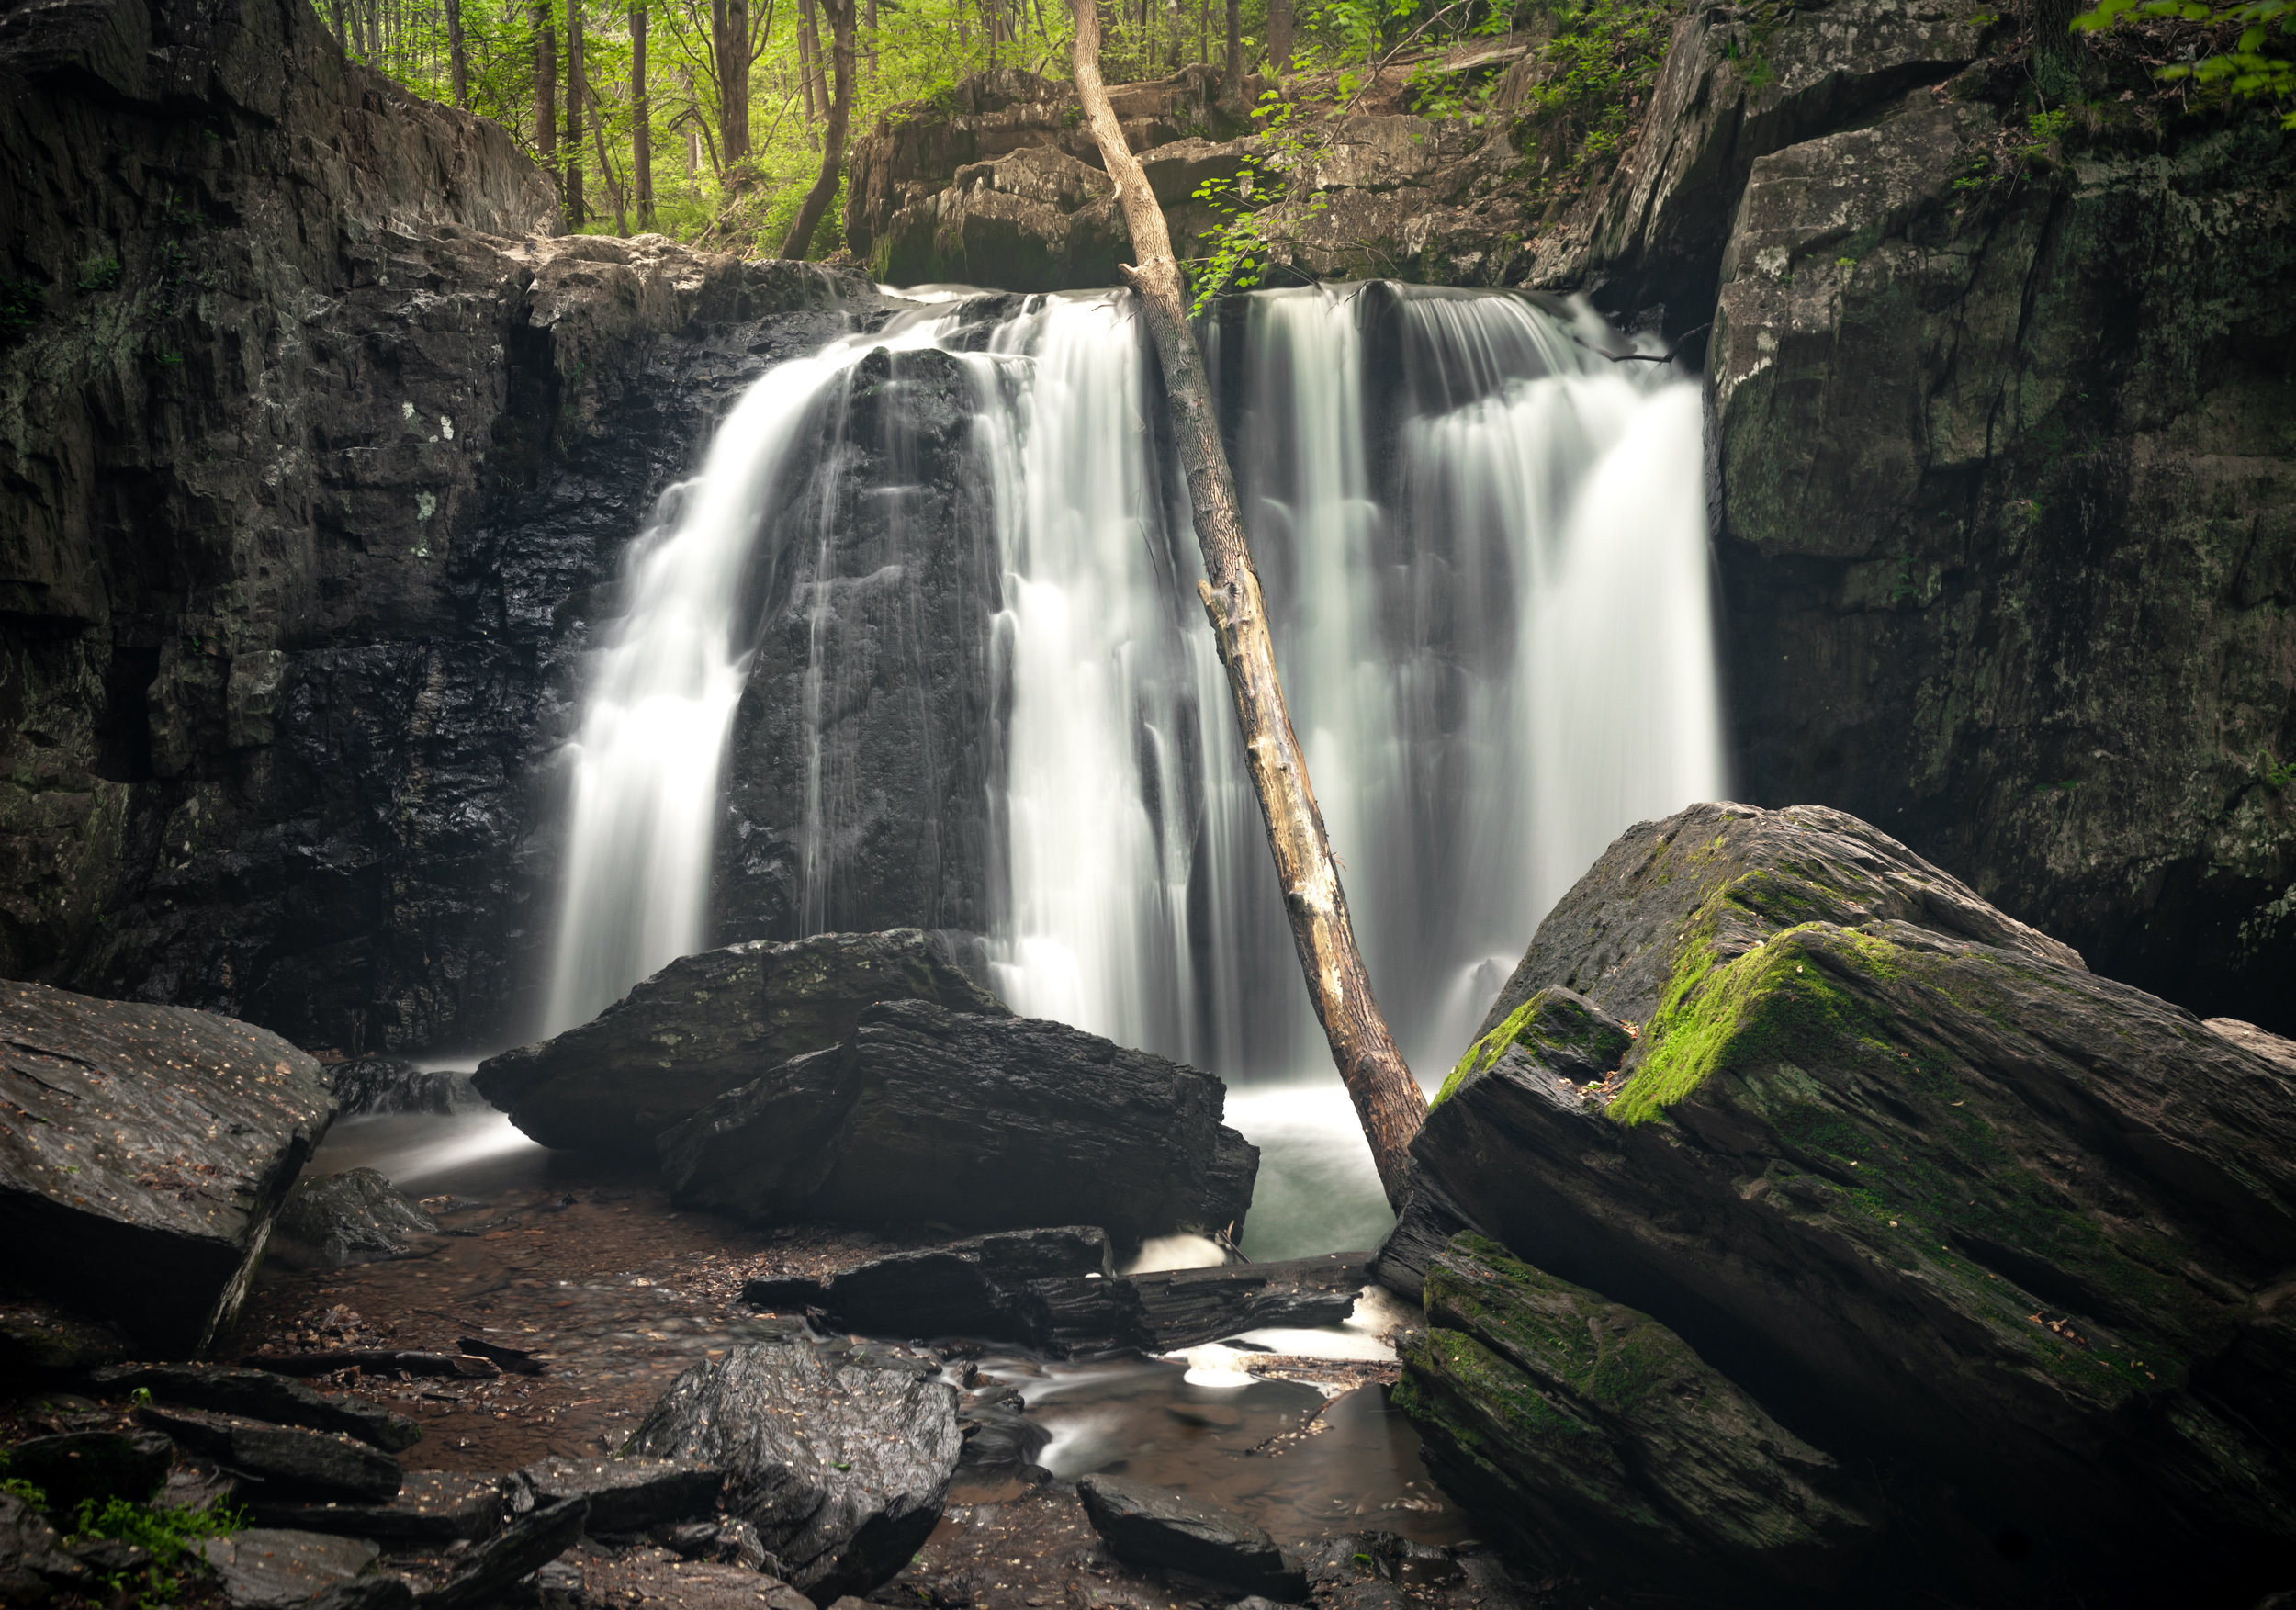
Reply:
x=1483, y=543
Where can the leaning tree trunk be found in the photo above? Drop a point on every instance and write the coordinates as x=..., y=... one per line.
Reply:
x=823, y=191
x=1387, y=1099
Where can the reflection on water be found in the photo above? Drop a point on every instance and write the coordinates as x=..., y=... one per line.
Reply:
x=427, y=1154
x=1276, y=1451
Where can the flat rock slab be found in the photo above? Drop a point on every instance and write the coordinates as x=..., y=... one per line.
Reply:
x=143, y=1154
x=261, y=1567
x=259, y=1394
x=99, y=1465
x=983, y=1122
x=629, y=1494
x=709, y=1023
x=431, y=1506
x=1055, y=1291
x=842, y=1469
x=656, y=1576
x=289, y=1461
x=1157, y=1527
x=518, y=1550
x=1185, y=1307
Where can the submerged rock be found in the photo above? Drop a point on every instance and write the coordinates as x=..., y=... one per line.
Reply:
x=1912, y=1177
x=1055, y=1291
x=354, y=1217
x=710, y=1023
x=1170, y=1531
x=983, y=1122
x=1595, y=1440
x=842, y=1469
x=143, y=1154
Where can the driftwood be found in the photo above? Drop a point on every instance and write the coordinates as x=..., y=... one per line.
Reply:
x=1387, y=1099
x=374, y=1360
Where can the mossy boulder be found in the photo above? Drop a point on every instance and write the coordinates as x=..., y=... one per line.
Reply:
x=1590, y=1435
x=1922, y=1183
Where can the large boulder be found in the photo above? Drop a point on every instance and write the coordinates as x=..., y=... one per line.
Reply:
x=842, y=1469
x=982, y=1122
x=144, y=1152
x=1595, y=1438
x=710, y=1023
x=354, y=1217
x=1910, y=1175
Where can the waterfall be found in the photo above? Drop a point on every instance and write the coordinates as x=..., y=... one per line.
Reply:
x=1483, y=543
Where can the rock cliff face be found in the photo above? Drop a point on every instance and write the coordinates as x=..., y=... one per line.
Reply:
x=319, y=457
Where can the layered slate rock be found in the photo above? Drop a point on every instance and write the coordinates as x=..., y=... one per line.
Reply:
x=354, y=1217
x=434, y=1507
x=842, y=1469
x=1188, y=1306
x=1915, y=1178
x=289, y=1461
x=628, y=1495
x=1595, y=1439
x=263, y=1567
x=1055, y=1291
x=258, y=1394
x=710, y=1023
x=517, y=1551
x=977, y=1122
x=1165, y=1530
x=144, y=1152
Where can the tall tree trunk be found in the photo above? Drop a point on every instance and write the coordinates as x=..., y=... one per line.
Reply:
x=823, y=191
x=1387, y=1099
x=606, y=167
x=577, y=214
x=1231, y=79
x=809, y=54
x=457, y=63
x=546, y=88
x=641, y=121
x=729, y=43
x=868, y=18
x=1279, y=37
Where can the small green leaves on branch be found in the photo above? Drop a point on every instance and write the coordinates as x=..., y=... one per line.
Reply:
x=2259, y=64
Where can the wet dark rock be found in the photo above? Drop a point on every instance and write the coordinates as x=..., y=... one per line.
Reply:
x=33, y=1564
x=354, y=1217
x=1422, y=1231
x=1055, y=1291
x=80, y=1465
x=287, y=1459
x=431, y=1506
x=381, y=1360
x=710, y=1023
x=143, y=1154
x=110, y=1556
x=628, y=1495
x=378, y=1592
x=520, y=1549
x=389, y=1084
x=982, y=1122
x=1170, y=1531
x=730, y=1541
x=1593, y=1437
x=262, y=1567
x=261, y=1395
x=1916, y=1181
x=37, y=1339
x=842, y=1469
x=1185, y=1307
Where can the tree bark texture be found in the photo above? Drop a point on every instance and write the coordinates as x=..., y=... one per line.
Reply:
x=577, y=214
x=546, y=88
x=840, y=98
x=730, y=45
x=641, y=116
x=457, y=63
x=1279, y=36
x=1232, y=77
x=1387, y=1099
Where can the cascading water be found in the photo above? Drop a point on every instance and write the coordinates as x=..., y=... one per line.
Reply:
x=1483, y=542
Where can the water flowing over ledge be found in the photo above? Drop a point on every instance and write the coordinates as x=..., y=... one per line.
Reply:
x=1485, y=543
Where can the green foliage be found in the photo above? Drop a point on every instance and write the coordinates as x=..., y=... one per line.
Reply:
x=2275, y=775
x=166, y=1534
x=16, y=1487
x=1591, y=81
x=1237, y=250
x=2258, y=63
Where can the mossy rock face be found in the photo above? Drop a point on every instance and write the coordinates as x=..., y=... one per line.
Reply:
x=1557, y=1030
x=1590, y=1435
x=1913, y=1177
